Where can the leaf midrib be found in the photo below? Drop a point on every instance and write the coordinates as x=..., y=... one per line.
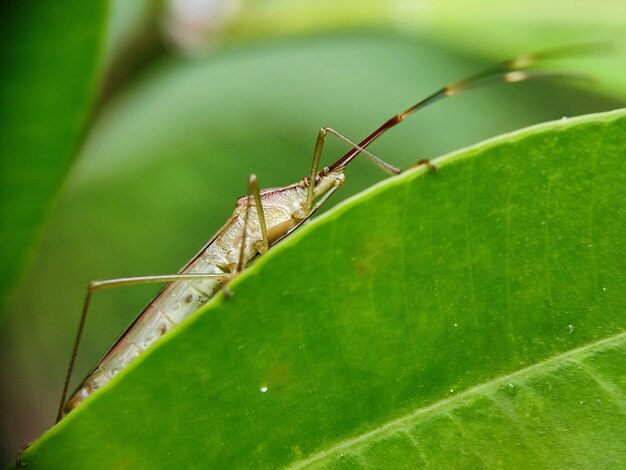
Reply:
x=551, y=363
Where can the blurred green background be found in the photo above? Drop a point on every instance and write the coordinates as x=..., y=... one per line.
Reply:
x=130, y=127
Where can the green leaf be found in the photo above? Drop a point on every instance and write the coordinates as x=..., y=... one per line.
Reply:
x=49, y=66
x=164, y=162
x=473, y=317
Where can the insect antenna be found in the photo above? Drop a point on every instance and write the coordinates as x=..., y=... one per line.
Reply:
x=508, y=71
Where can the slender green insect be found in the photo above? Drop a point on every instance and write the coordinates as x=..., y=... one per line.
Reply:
x=260, y=220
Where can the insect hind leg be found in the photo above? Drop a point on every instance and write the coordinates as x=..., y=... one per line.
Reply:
x=106, y=284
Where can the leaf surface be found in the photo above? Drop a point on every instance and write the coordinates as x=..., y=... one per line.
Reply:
x=473, y=317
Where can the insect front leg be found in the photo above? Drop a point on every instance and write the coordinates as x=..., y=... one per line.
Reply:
x=434, y=168
x=317, y=155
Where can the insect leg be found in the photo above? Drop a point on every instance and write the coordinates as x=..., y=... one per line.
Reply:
x=253, y=186
x=18, y=458
x=106, y=284
x=317, y=155
x=244, y=234
x=426, y=162
x=377, y=160
x=253, y=193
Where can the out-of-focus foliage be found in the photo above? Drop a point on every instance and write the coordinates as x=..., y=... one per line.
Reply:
x=49, y=74
x=416, y=326
x=499, y=27
x=489, y=29
x=176, y=135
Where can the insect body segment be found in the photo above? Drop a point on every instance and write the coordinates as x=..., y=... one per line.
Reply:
x=241, y=239
x=260, y=220
x=173, y=305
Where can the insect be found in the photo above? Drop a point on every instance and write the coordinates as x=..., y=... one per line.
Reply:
x=261, y=219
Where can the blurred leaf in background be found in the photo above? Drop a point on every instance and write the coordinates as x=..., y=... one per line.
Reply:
x=477, y=27
x=179, y=129
x=50, y=69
